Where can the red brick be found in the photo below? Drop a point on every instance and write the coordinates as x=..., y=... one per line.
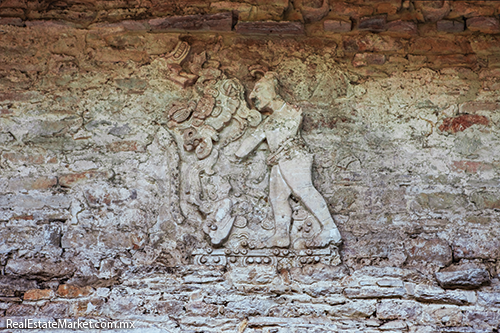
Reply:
x=366, y=59
x=485, y=25
x=270, y=28
x=403, y=27
x=373, y=23
x=450, y=26
x=209, y=22
x=70, y=291
x=462, y=122
x=470, y=166
x=337, y=26
x=38, y=294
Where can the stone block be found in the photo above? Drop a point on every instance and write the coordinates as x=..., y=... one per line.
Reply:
x=39, y=268
x=372, y=43
x=355, y=309
x=71, y=179
x=486, y=199
x=389, y=8
x=34, y=201
x=450, y=26
x=465, y=276
x=476, y=107
x=10, y=286
x=436, y=251
x=367, y=59
x=486, y=45
x=373, y=23
x=428, y=46
x=402, y=27
x=55, y=309
x=491, y=299
x=487, y=25
x=28, y=183
x=202, y=309
x=470, y=166
x=208, y=22
x=476, y=246
x=317, y=273
x=270, y=28
x=431, y=294
x=70, y=291
x=38, y=294
x=398, y=309
x=351, y=10
x=112, y=55
x=441, y=200
x=374, y=292
x=395, y=325
x=20, y=310
x=469, y=9
x=15, y=21
x=238, y=7
x=337, y=26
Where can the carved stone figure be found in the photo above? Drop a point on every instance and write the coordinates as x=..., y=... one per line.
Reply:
x=291, y=162
x=260, y=210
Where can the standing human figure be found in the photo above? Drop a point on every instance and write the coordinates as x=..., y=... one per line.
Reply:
x=291, y=163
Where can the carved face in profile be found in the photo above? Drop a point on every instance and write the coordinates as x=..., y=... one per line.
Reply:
x=263, y=93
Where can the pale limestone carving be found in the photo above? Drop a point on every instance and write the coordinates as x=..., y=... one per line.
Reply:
x=251, y=206
x=291, y=163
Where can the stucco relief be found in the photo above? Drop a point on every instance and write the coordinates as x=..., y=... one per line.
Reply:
x=246, y=176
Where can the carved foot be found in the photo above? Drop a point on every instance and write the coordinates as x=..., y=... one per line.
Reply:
x=327, y=236
x=275, y=241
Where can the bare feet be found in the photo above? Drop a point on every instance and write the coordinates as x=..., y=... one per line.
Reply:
x=276, y=240
x=327, y=236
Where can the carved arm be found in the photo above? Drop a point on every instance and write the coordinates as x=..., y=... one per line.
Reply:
x=251, y=142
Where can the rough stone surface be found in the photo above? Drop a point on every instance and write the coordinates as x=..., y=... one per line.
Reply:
x=450, y=26
x=466, y=276
x=270, y=28
x=337, y=26
x=401, y=124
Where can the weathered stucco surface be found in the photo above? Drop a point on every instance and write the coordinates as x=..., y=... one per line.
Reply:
x=404, y=128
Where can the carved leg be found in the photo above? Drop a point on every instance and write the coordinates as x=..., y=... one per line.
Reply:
x=297, y=174
x=279, y=192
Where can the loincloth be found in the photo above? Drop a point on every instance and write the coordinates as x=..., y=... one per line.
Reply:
x=290, y=148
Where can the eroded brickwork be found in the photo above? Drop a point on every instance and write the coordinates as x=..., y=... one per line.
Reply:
x=401, y=108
